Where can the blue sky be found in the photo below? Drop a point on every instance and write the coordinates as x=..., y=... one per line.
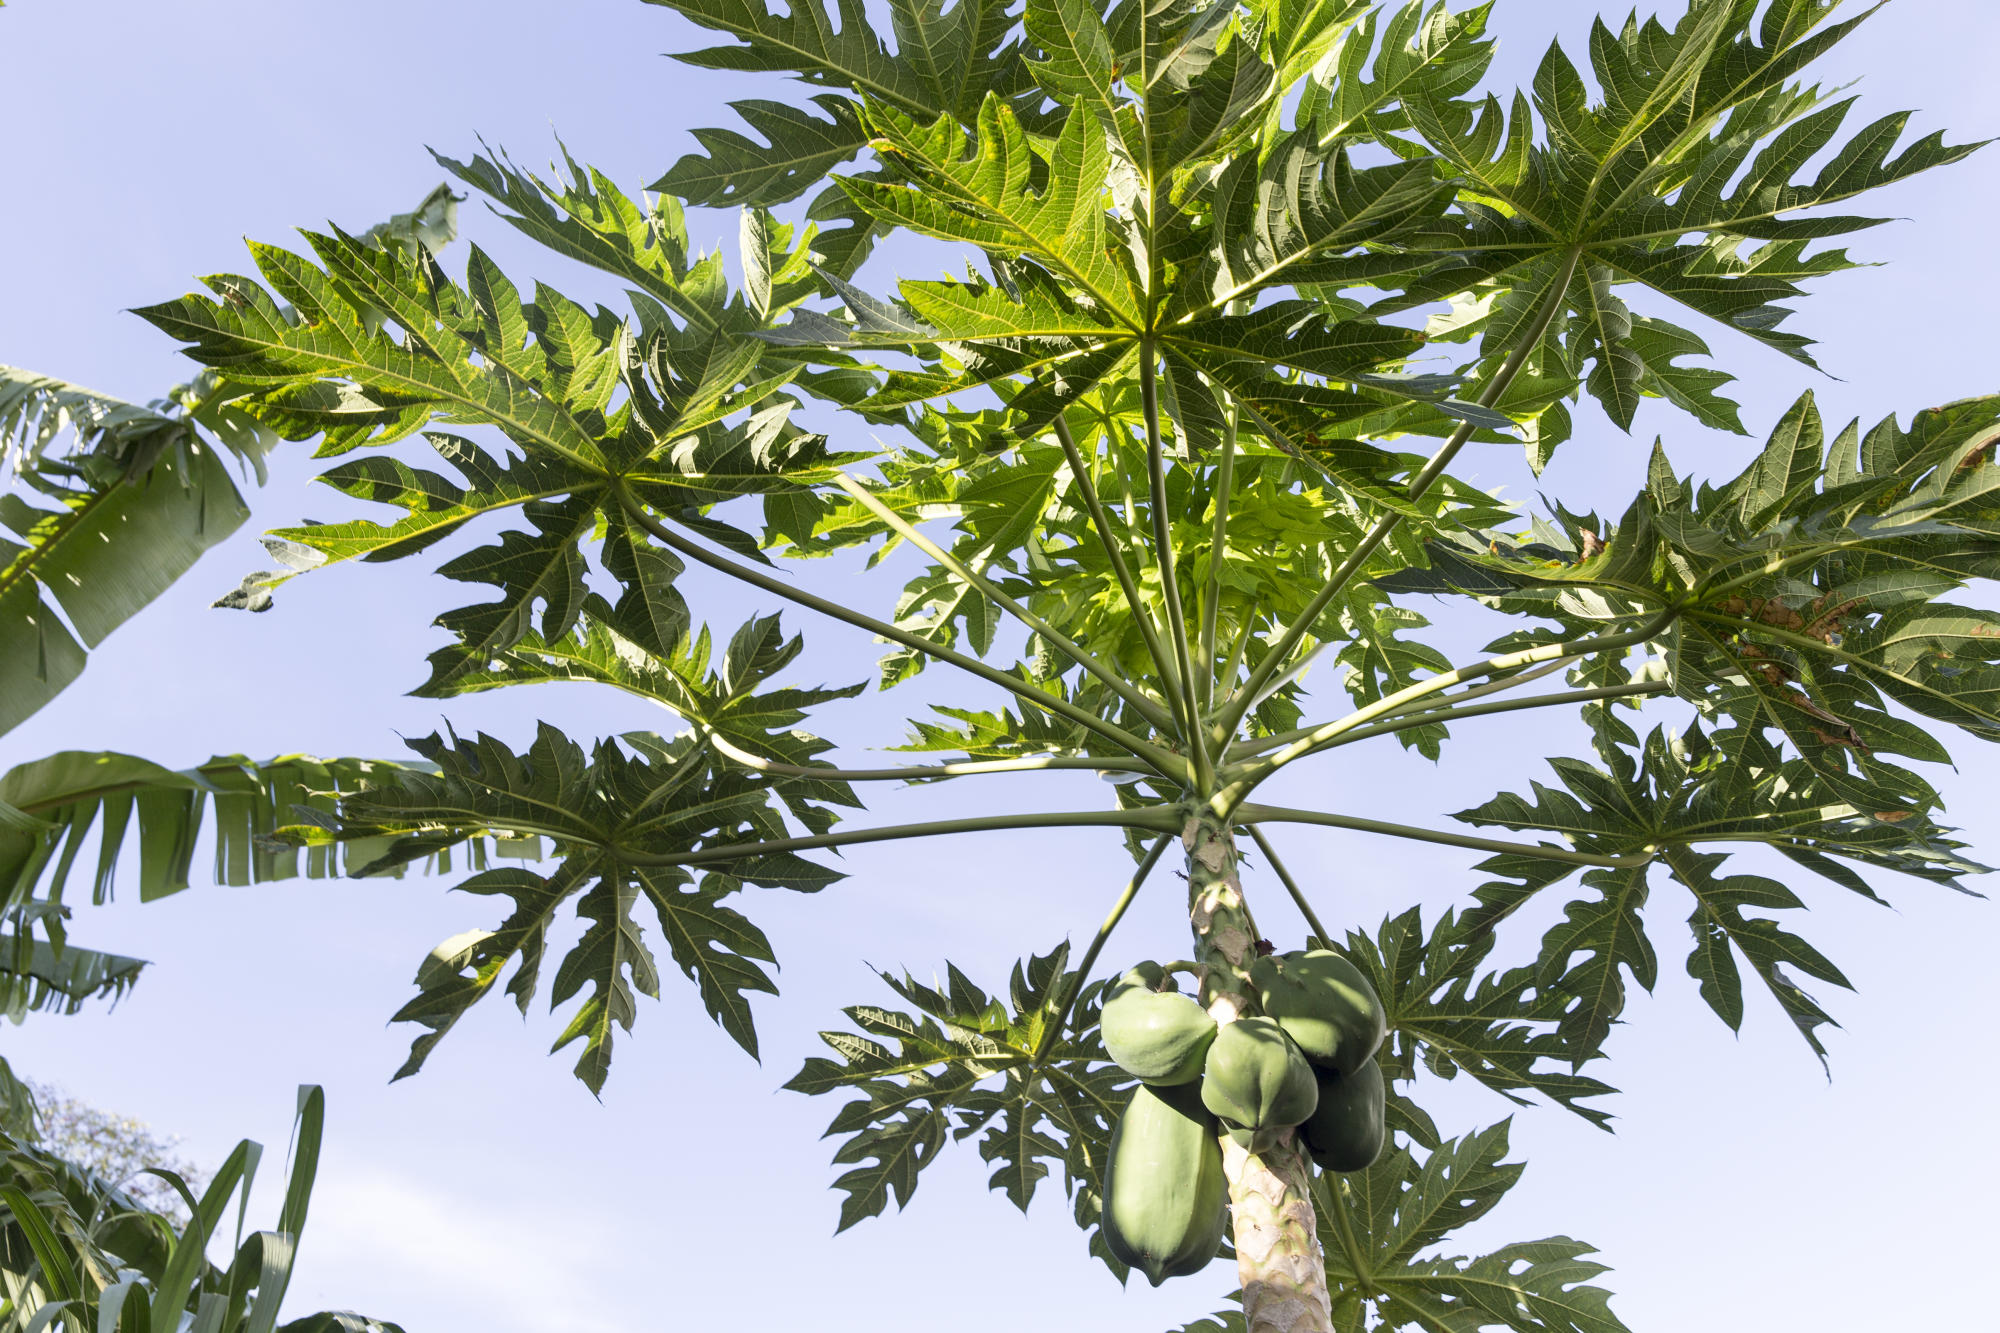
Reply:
x=1743, y=1190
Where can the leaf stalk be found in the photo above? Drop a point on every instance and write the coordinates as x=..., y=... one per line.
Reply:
x=1158, y=818
x=917, y=772
x=1114, y=552
x=1291, y=886
x=1170, y=588
x=1553, y=654
x=1251, y=813
x=1404, y=721
x=1218, y=550
x=1117, y=914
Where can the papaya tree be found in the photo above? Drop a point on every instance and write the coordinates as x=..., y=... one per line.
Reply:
x=1243, y=284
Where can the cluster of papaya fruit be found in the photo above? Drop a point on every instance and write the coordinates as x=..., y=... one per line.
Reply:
x=1306, y=1063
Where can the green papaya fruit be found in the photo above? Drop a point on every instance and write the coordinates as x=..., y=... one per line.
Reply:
x=1159, y=1037
x=1257, y=1081
x=1347, y=1129
x=1165, y=1199
x=1324, y=1004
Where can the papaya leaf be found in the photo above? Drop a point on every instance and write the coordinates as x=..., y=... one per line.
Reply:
x=647, y=798
x=377, y=343
x=962, y=1065
x=1448, y=1015
x=1679, y=793
x=1396, y=56
x=1383, y=1223
x=583, y=215
x=1699, y=145
x=801, y=147
x=944, y=59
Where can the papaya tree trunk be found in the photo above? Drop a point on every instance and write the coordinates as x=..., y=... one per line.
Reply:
x=1270, y=1197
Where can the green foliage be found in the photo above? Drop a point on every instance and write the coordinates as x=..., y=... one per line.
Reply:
x=79, y=1253
x=55, y=809
x=17, y=1105
x=1177, y=420
x=1698, y=148
x=149, y=476
x=1449, y=1016
x=1382, y=1225
x=378, y=343
x=965, y=1065
x=624, y=822
x=136, y=497
x=1807, y=594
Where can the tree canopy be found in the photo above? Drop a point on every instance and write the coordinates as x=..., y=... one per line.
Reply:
x=1243, y=284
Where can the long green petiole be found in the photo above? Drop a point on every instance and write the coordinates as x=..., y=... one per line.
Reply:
x=1164, y=761
x=1158, y=818
x=1251, y=813
x=1170, y=588
x=1115, y=553
x=1218, y=549
x=919, y=772
x=1291, y=887
x=1254, y=774
x=1226, y=678
x=1148, y=708
x=1426, y=717
x=1055, y=1027
x=1404, y=721
x=1287, y=676
x=1279, y=740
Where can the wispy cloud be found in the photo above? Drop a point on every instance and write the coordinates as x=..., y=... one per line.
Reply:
x=449, y=1257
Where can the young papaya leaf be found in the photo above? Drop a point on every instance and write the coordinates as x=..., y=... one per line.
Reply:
x=961, y=1065
x=1449, y=1015
x=1683, y=792
x=1383, y=1224
x=617, y=820
x=1700, y=144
